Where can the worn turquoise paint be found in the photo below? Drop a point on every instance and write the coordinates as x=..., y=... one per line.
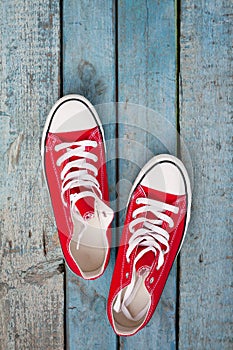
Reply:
x=31, y=286
x=206, y=297
x=89, y=69
x=31, y=265
x=147, y=76
x=142, y=78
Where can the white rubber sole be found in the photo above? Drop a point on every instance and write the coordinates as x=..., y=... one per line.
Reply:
x=158, y=159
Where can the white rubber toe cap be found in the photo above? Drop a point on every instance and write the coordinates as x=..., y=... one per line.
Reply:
x=72, y=113
x=165, y=177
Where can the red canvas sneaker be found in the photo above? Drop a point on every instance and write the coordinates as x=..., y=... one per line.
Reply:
x=156, y=222
x=73, y=154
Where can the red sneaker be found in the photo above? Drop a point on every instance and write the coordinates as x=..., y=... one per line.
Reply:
x=156, y=222
x=73, y=154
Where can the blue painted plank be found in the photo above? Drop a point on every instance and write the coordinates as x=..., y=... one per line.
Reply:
x=147, y=76
x=206, y=296
x=31, y=268
x=89, y=69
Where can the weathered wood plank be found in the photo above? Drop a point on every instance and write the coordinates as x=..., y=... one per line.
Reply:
x=89, y=69
x=147, y=76
x=31, y=286
x=205, y=104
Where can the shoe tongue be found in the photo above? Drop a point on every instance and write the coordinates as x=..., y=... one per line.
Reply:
x=90, y=208
x=85, y=205
x=146, y=261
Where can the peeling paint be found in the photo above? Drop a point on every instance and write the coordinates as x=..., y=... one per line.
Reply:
x=37, y=274
x=13, y=153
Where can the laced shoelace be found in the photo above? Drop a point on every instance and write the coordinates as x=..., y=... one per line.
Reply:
x=151, y=236
x=76, y=178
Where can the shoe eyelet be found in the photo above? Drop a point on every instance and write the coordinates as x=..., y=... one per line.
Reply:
x=152, y=280
x=127, y=275
x=137, y=201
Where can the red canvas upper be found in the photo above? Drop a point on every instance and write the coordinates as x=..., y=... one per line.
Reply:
x=123, y=270
x=85, y=205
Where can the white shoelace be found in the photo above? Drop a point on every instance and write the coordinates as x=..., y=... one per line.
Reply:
x=76, y=178
x=151, y=235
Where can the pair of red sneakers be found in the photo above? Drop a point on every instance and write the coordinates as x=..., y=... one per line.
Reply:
x=158, y=212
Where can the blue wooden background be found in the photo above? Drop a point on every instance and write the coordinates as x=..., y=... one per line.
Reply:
x=174, y=57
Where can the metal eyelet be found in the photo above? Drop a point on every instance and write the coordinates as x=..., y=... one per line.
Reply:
x=152, y=280
x=127, y=275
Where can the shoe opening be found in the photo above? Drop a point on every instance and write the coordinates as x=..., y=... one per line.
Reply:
x=92, y=250
x=131, y=306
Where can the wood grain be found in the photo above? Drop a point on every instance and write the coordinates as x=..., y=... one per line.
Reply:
x=147, y=76
x=206, y=107
x=89, y=70
x=31, y=286
x=31, y=262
